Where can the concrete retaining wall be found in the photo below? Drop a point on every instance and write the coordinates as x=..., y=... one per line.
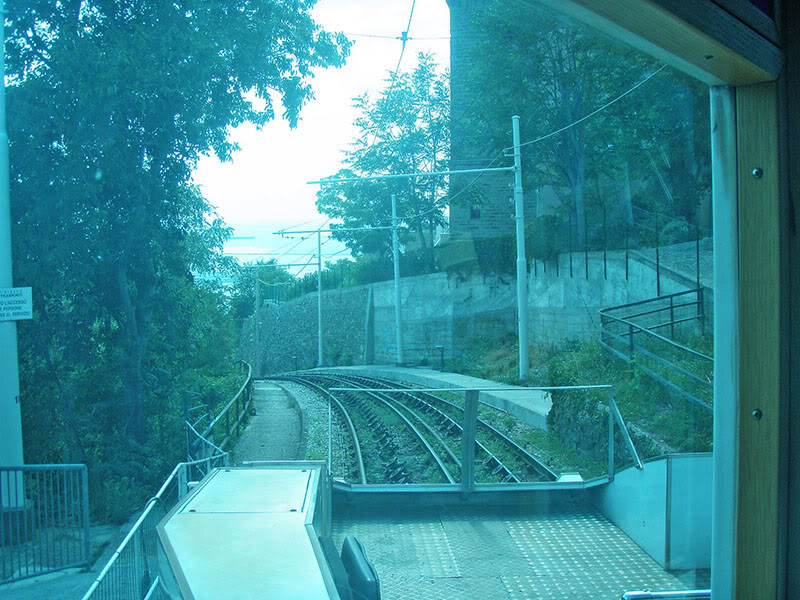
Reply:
x=452, y=311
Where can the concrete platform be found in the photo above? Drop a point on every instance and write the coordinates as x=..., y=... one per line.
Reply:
x=510, y=553
x=529, y=406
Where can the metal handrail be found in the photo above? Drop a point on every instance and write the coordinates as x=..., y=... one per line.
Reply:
x=203, y=439
x=661, y=297
x=228, y=406
x=147, y=509
x=660, y=337
x=676, y=595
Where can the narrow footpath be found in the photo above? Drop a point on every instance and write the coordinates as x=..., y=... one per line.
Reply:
x=275, y=431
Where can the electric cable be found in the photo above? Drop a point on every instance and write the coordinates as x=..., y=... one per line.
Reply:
x=591, y=114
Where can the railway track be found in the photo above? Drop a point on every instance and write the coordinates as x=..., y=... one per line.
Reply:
x=411, y=436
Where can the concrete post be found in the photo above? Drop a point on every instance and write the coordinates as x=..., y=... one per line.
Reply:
x=396, y=253
x=319, y=299
x=10, y=416
x=469, y=429
x=522, y=270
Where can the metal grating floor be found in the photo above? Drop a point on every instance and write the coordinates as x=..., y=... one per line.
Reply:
x=510, y=553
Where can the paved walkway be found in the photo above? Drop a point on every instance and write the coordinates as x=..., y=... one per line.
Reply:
x=530, y=406
x=274, y=432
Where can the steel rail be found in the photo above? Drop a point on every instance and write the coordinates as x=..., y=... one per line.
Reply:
x=348, y=421
x=526, y=456
x=430, y=429
x=433, y=454
x=491, y=455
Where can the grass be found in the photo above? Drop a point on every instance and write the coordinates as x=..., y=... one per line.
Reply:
x=660, y=420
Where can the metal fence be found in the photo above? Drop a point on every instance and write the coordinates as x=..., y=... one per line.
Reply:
x=44, y=519
x=132, y=571
x=201, y=440
x=643, y=334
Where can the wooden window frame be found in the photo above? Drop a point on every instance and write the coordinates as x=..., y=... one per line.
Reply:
x=702, y=39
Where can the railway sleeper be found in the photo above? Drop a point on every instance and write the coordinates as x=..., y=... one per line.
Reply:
x=397, y=474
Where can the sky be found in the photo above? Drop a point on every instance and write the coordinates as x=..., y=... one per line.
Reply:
x=263, y=188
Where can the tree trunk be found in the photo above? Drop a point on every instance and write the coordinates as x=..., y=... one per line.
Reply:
x=135, y=327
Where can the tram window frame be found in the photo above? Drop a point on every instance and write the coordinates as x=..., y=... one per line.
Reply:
x=702, y=39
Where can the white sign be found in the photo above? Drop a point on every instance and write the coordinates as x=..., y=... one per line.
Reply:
x=16, y=304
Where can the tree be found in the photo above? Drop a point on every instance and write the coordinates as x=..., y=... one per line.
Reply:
x=405, y=130
x=243, y=292
x=553, y=74
x=110, y=103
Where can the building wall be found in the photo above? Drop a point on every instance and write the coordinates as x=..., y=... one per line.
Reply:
x=496, y=192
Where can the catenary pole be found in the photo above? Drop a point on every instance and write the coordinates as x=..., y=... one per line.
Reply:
x=522, y=270
x=10, y=416
x=396, y=253
x=257, y=324
x=319, y=298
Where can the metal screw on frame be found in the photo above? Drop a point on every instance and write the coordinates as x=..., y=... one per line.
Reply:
x=758, y=173
x=757, y=414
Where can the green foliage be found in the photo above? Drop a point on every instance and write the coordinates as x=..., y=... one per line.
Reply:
x=546, y=237
x=110, y=105
x=405, y=130
x=659, y=421
x=496, y=254
x=649, y=148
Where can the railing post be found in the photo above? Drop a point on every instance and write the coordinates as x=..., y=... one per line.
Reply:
x=182, y=476
x=702, y=311
x=138, y=562
x=671, y=318
x=570, y=243
x=238, y=412
x=658, y=260
x=470, y=426
x=631, y=347
x=605, y=245
x=611, y=434
x=627, y=229
x=85, y=508
x=186, y=423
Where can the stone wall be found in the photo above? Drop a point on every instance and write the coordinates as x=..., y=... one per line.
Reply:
x=288, y=331
x=452, y=311
x=563, y=306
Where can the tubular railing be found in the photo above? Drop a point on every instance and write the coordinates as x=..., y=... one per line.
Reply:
x=44, y=519
x=679, y=595
x=642, y=334
x=227, y=423
x=614, y=422
x=132, y=571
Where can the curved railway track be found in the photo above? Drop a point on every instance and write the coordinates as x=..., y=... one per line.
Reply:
x=413, y=436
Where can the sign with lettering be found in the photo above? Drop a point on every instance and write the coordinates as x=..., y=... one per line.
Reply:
x=16, y=304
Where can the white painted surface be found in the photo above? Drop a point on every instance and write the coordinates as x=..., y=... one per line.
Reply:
x=636, y=502
x=243, y=535
x=690, y=512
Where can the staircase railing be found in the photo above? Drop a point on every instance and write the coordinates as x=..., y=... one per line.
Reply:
x=642, y=334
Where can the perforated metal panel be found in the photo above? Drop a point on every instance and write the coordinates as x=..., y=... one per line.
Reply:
x=487, y=553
